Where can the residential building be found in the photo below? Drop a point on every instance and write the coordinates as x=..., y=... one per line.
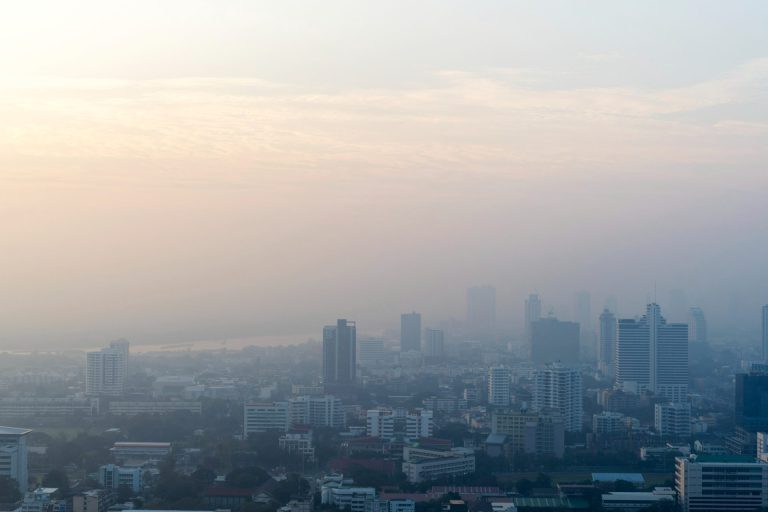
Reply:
x=298, y=443
x=410, y=332
x=533, y=433
x=559, y=389
x=498, y=386
x=715, y=483
x=105, y=371
x=609, y=423
x=97, y=500
x=43, y=499
x=554, y=341
x=673, y=419
x=340, y=353
x=316, y=411
x=606, y=355
x=401, y=505
x=353, y=499
x=13, y=455
x=112, y=476
x=380, y=423
x=420, y=464
x=419, y=424
x=652, y=355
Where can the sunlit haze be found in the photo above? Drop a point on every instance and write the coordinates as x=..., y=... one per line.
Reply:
x=173, y=171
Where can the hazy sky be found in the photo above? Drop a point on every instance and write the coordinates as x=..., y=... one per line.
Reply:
x=180, y=170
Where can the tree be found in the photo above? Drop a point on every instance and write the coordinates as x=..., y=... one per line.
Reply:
x=250, y=477
x=9, y=490
x=524, y=486
x=56, y=478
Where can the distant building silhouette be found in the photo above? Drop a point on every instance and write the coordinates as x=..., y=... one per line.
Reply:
x=434, y=343
x=554, y=341
x=652, y=355
x=606, y=357
x=106, y=370
x=481, y=312
x=765, y=333
x=410, y=332
x=498, y=386
x=532, y=313
x=340, y=352
x=697, y=326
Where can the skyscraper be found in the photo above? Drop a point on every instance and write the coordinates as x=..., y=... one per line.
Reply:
x=532, y=313
x=339, y=353
x=582, y=311
x=410, y=332
x=554, y=341
x=607, y=347
x=652, y=355
x=481, y=312
x=558, y=388
x=105, y=370
x=498, y=386
x=697, y=326
x=765, y=333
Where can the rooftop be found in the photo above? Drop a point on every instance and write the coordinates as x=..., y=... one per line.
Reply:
x=13, y=431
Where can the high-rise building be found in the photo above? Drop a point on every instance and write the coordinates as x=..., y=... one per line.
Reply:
x=606, y=356
x=340, y=353
x=673, y=419
x=697, y=326
x=498, y=386
x=434, y=343
x=410, y=332
x=124, y=347
x=532, y=313
x=106, y=369
x=715, y=483
x=554, y=341
x=13, y=455
x=534, y=433
x=652, y=355
x=316, y=411
x=751, y=401
x=481, y=312
x=558, y=388
x=582, y=311
x=765, y=333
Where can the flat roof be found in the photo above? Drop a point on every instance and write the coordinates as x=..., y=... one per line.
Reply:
x=13, y=431
x=635, y=478
x=726, y=458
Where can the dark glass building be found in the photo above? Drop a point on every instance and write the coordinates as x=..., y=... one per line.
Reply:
x=752, y=401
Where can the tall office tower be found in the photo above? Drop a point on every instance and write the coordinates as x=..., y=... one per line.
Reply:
x=558, y=388
x=481, y=312
x=765, y=333
x=410, y=332
x=652, y=355
x=498, y=386
x=697, y=326
x=751, y=401
x=105, y=371
x=532, y=313
x=434, y=343
x=554, y=341
x=340, y=353
x=607, y=347
x=13, y=455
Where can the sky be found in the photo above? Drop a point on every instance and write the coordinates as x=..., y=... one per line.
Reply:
x=184, y=170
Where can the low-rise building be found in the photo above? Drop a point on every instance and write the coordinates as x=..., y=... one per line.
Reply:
x=137, y=453
x=97, y=500
x=420, y=465
x=715, y=483
x=632, y=501
x=134, y=408
x=112, y=476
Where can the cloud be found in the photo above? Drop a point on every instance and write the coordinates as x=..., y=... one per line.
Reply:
x=495, y=121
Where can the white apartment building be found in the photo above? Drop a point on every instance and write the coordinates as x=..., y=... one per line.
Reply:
x=261, y=417
x=673, y=419
x=558, y=388
x=112, y=476
x=498, y=386
x=106, y=370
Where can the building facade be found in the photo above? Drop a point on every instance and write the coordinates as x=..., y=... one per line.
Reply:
x=410, y=332
x=340, y=353
x=553, y=341
x=715, y=483
x=606, y=354
x=559, y=388
x=499, y=379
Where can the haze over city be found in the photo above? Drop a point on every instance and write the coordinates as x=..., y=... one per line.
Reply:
x=180, y=170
